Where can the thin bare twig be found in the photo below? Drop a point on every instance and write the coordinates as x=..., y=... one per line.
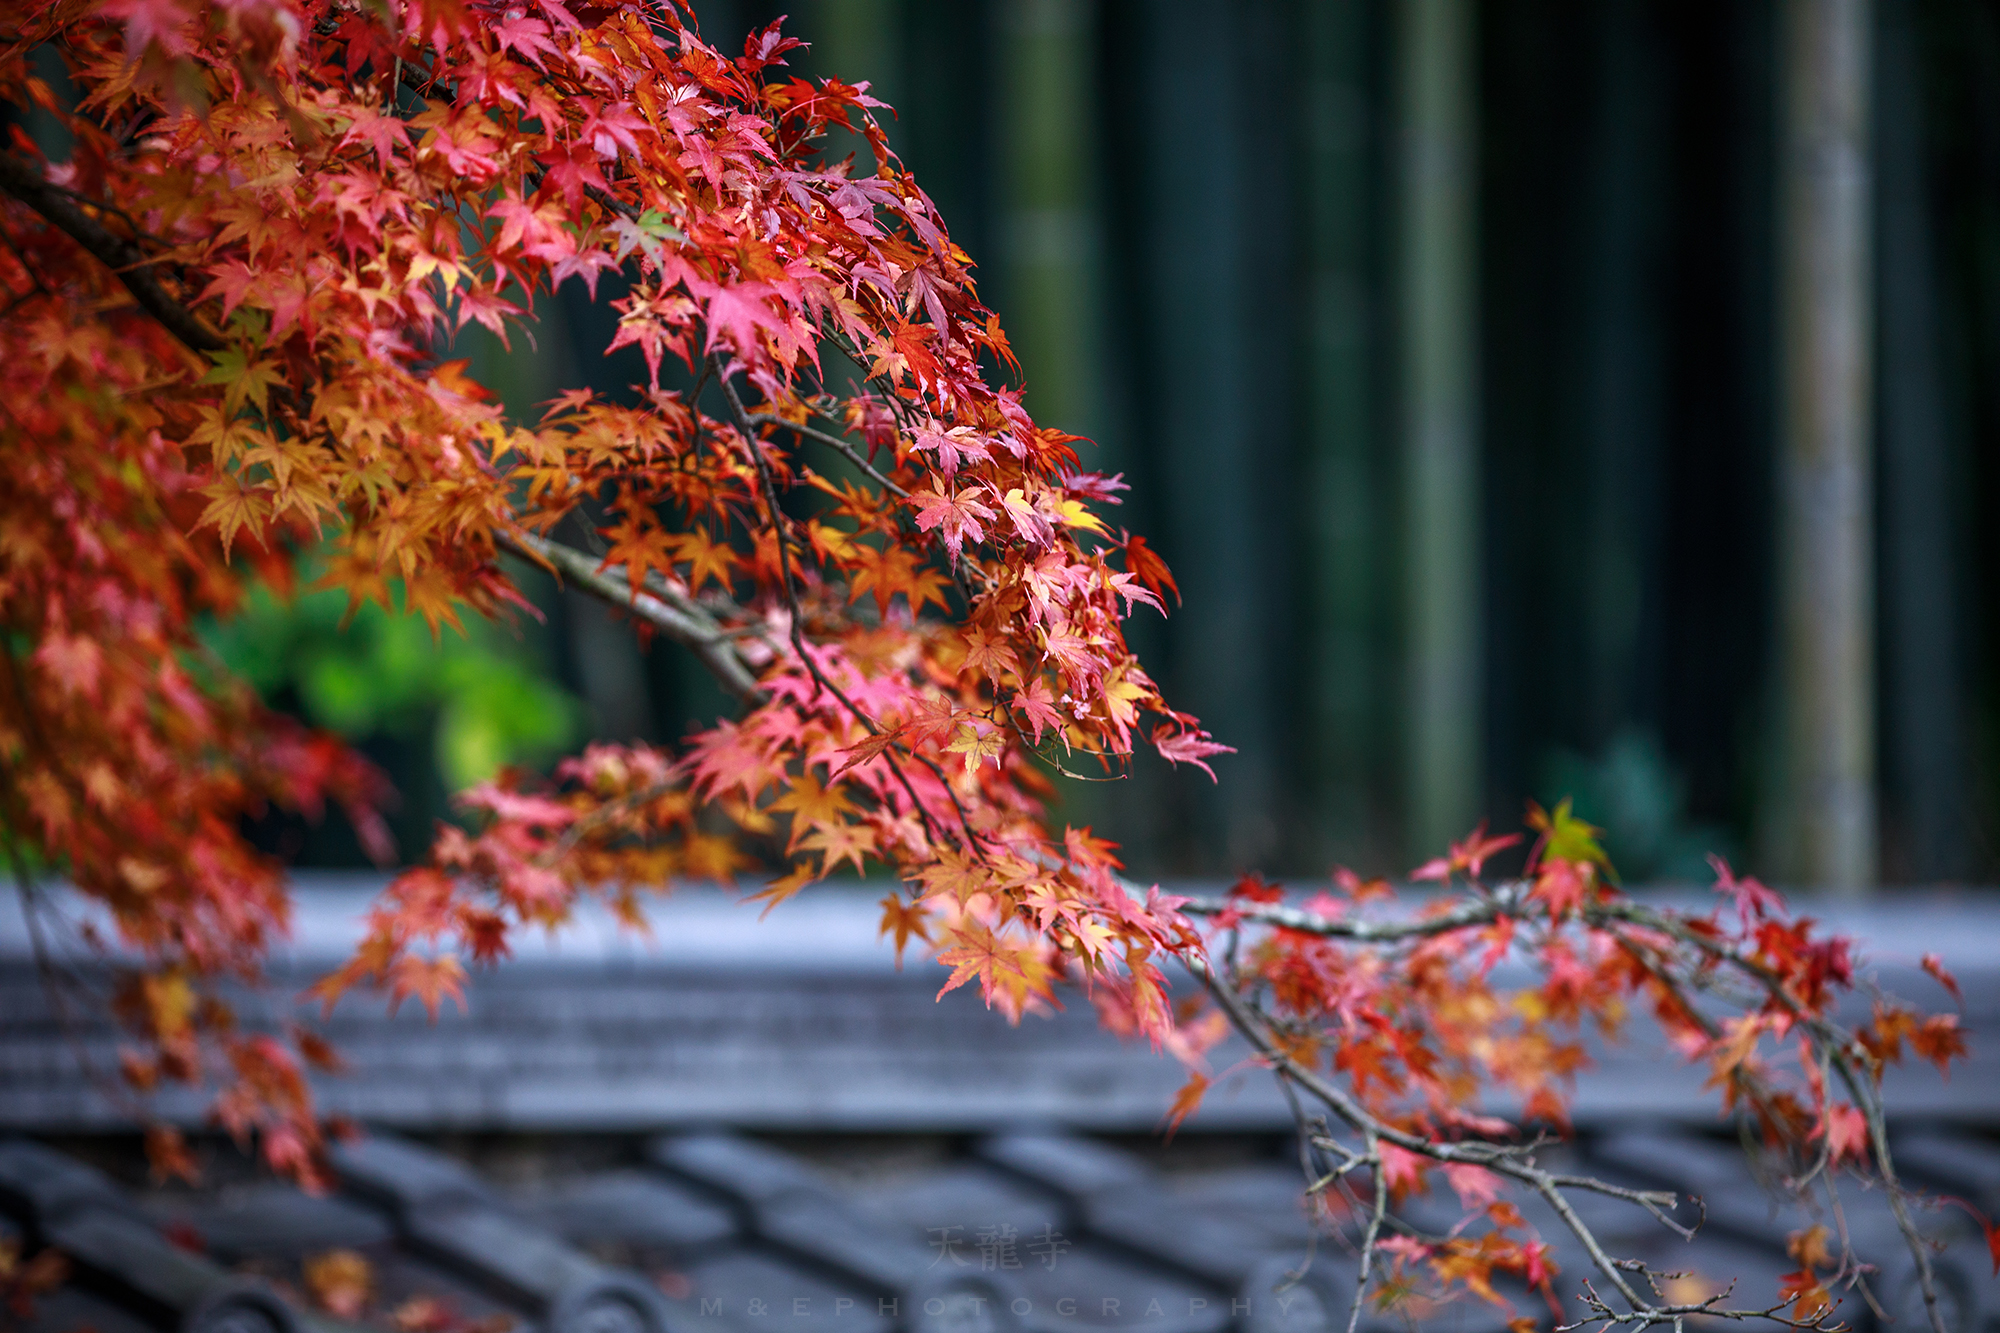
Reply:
x=847, y=450
x=1376, y=1213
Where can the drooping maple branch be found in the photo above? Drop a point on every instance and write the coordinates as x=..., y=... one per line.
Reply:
x=1650, y=938
x=679, y=617
x=1494, y=1157
x=124, y=258
x=1498, y=1158
x=1836, y=1049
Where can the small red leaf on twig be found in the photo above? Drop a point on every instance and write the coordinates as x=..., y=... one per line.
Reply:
x=1935, y=966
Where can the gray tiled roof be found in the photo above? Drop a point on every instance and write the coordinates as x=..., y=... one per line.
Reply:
x=802, y=1023
x=718, y=1233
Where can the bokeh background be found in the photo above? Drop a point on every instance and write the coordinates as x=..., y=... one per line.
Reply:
x=1469, y=364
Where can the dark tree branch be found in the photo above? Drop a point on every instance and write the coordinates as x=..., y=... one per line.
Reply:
x=124, y=258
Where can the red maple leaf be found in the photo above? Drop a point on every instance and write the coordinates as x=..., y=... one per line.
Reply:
x=1038, y=705
x=1467, y=857
x=1180, y=746
x=1751, y=897
x=1146, y=565
x=957, y=517
x=1935, y=966
x=1846, y=1133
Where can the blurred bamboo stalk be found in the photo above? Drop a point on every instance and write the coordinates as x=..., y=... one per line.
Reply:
x=1049, y=227
x=1921, y=588
x=1440, y=418
x=1826, y=824
x=857, y=41
x=1216, y=426
x=1337, y=431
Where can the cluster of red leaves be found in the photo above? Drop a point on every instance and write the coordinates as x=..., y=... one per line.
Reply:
x=1419, y=1027
x=130, y=760
x=315, y=197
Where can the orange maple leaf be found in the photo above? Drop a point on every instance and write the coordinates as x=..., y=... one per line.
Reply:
x=1940, y=1040
x=813, y=806
x=905, y=919
x=1186, y=1101
x=785, y=886
x=1805, y=1292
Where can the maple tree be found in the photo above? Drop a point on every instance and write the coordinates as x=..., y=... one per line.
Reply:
x=227, y=351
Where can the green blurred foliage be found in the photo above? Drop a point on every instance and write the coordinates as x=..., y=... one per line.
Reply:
x=482, y=699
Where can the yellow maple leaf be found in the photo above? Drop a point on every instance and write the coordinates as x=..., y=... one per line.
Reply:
x=969, y=742
x=840, y=842
x=1076, y=514
x=170, y=1002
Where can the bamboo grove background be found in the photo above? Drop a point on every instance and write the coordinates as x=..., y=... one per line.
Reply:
x=1445, y=347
